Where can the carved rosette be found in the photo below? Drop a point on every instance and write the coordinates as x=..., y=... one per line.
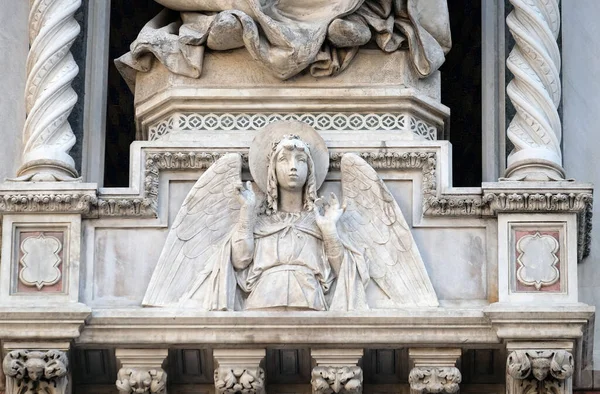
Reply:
x=328, y=380
x=47, y=135
x=142, y=380
x=30, y=372
x=434, y=380
x=539, y=371
x=240, y=380
x=535, y=91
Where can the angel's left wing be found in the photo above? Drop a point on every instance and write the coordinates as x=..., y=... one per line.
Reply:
x=375, y=226
x=197, y=250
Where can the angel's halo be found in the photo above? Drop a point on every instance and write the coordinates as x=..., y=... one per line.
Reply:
x=258, y=157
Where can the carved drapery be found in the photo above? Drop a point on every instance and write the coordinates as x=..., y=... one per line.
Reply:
x=539, y=371
x=535, y=91
x=32, y=372
x=47, y=135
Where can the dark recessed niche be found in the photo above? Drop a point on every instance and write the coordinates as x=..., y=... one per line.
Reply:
x=461, y=91
x=126, y=20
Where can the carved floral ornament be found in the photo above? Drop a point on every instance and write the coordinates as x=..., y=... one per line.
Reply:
x=434, y=380
x=240, y=380
x=32, y=372
x=141, y=380
x=344, y=380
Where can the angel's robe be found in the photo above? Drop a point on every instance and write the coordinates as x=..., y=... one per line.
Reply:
x=290, y=269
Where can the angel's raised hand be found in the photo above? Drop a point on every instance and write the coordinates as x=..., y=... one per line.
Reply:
x=245, y=194
x=328, y=212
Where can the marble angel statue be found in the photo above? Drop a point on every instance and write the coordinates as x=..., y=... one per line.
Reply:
x=282, y=248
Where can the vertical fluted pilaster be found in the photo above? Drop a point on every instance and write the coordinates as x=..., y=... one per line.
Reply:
x=47, y=135
x=535, y=91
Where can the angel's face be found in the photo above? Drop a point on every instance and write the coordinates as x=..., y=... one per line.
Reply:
x=291, y=165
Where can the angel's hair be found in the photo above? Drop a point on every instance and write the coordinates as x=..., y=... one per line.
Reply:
x=290, y=141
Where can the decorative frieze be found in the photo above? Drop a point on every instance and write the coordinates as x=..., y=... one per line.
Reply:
x=360, y=122
x=49, y=97
x=44, y=202
x=33, y=372
x=238, y=371
x=539, y=371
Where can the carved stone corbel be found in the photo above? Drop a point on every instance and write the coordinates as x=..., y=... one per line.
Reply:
x=434, y=370
x=33, y=371
x=239, y=371
x=141, y=371
x=337, y=371
x=539, y=371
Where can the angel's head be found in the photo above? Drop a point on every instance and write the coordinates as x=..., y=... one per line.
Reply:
x=291, y=168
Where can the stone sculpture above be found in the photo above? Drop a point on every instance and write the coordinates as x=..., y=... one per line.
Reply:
x=288, y=36
x=232, y=247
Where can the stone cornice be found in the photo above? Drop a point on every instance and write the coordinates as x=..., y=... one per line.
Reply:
x=28, y=322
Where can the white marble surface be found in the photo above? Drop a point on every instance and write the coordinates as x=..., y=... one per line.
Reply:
x=581, y=98
x=14, y=46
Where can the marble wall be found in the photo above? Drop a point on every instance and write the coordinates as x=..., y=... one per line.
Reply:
x=581, y=119
x=13, y=46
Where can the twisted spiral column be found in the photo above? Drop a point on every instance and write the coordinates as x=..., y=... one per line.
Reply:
x=535, y=91
x=47, y=135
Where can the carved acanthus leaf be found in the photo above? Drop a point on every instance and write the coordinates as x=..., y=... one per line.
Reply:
x=141, y=380
x=539, y=364
x=434, y=379
x=240, y=380
x=328, y=380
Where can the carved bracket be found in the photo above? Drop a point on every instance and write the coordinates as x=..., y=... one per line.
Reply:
x=30, y=372
x=346, y=380
x=141, y=380
x=539, y=371
x=434, y=380
x=240, y=380
x=238, y=371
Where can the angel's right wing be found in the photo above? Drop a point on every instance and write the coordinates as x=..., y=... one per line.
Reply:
x=198, y=239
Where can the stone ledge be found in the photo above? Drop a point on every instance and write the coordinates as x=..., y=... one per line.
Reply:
x=30, y=322
x=141, y=326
